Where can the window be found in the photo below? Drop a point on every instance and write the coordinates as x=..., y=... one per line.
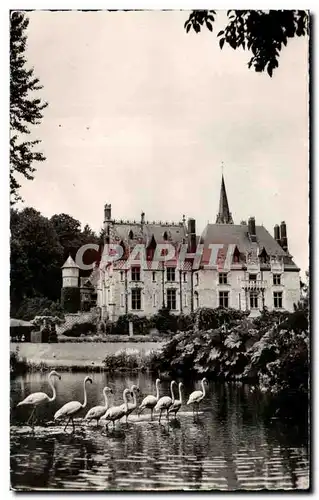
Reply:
x=253, y=300
x=136, y=299
x=185, y=277
x=276, y=279
x=223, y=278
x=253, y=277
x=196, y=300
x=165, y=236
x=154, y=300
x=136, y=274
x=122, y=275
x=122, y=299
x=130, y=234
x=278, y=300
x=185, y=300
x=171, y=299
x=170, y=274
x=223, y=299
x=154, y=276
x=197, y=279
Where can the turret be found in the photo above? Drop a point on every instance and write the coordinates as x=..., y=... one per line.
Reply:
x=70, y=273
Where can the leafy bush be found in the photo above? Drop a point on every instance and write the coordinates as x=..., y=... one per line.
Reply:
x=38, y=306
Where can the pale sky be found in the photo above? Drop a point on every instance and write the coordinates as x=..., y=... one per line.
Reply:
x=141, y=115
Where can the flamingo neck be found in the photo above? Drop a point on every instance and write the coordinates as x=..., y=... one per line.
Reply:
x=85, y=396
x=134, y=400
x=203, y=387
x=172, y=393
x=125, y=400
x=180, y=394
x=105, y=398
x=157, y=390
x=53, y=389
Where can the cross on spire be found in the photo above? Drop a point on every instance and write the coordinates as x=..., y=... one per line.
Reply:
x=224, y=216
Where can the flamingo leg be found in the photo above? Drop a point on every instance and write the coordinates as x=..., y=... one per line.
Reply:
x=160, y=416
x=73, y=424
x=66, y=424
x=31, y=415
x=167, y=415
x=97, y=422
x=152, y=413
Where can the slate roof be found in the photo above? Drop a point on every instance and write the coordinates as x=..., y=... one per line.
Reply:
x=238, y=234
x=143, y=233
x=69, y=263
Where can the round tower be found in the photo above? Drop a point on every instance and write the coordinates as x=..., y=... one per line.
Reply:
x=70, y=274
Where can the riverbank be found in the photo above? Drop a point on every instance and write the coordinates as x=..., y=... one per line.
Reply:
x=83, y=356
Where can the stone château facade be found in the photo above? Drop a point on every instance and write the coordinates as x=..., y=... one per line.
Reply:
x=259, y=272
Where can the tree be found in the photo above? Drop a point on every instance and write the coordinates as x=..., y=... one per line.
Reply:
x=36, y=258
x=68, y=230
x=264, y=33
x=25, y=110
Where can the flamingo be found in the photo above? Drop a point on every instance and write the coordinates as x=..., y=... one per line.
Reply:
x=116, y=412
x=150, y=401
x=165, y=402
x=38, y=398
x=197, y=396
x=71, y=408
x=131, y=406
x=96, y=412
x=178, y=402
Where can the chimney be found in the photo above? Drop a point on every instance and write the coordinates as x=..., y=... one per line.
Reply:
x=191, y=230
x=252, y=229
x=277, y=234
x=142, y=218
x=283, y=236
x=107, y=212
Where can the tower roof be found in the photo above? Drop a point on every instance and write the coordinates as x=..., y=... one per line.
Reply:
x=224, y=216
x=69, y=263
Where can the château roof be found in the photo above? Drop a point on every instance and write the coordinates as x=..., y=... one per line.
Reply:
x=69, y=263
x=227, y=234
x=143, y=233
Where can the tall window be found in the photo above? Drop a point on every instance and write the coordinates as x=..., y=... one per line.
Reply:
x=253, y=277
x=222, y=278
x=276, y=279
x=196, y=278
x=185, y=300
x=278, y=300
x=253, y=300
x=122, y=299
x=154, y=276
x=196, y=300
x=171, y=299
x=136, y=274
x=154, y=300
x=170, y=274
x=122, y=275
x=185, y=277
x=223, y=299
x=136, y=299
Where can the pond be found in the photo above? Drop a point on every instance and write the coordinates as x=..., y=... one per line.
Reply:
x=228, y=446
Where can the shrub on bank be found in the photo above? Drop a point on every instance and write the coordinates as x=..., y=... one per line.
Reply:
x=78, y=329
x=38, y=306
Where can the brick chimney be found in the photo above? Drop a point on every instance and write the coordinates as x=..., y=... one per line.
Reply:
x=283, y=236
x=277, y=234
x=107, y=211
x=142, y=218
x=191, y=233
x=252, y=229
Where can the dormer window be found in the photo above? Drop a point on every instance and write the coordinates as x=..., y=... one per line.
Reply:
x=130, y=234
x=263, y=256
x=236, y=256
x=165, y=236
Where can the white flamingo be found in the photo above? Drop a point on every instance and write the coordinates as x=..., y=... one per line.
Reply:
x=71, y=408
x=165, y=402
x=150, y=401
x=116, y=412
x=178, y=402
x=131, y=406
x=38, y=398
x=197, y=396
x=97, y=412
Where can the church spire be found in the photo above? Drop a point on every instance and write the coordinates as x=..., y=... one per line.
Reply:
x=224, y=216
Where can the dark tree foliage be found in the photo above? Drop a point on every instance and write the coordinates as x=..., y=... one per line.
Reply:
x=25, y=110
x=264, y=33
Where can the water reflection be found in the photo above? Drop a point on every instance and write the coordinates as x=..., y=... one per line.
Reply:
x=228, y=446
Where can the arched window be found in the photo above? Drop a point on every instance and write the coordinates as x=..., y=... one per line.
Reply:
x=165, y=236
x=196, y=300
x=130, y=234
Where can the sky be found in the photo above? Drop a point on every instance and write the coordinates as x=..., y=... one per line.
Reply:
x=141, y=115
